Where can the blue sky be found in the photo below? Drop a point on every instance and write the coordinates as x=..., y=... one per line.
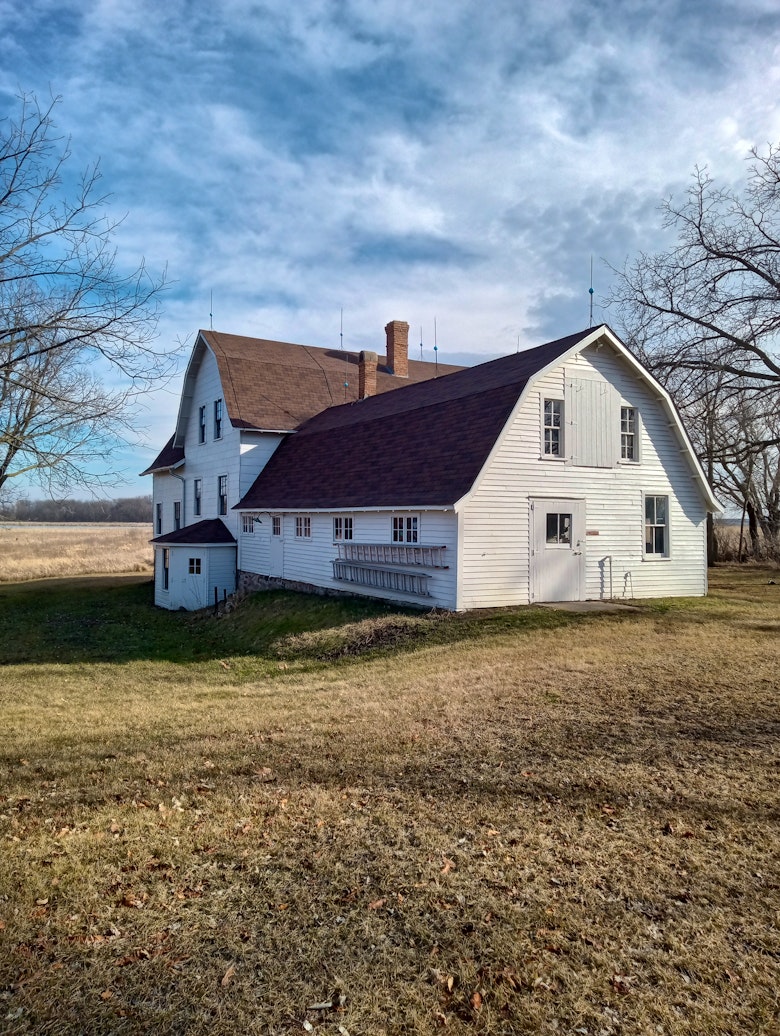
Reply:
x=452, y=160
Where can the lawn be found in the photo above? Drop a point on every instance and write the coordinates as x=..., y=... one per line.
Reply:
x=332, y=816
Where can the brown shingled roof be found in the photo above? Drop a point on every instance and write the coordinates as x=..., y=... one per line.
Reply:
x=278, y=385
x=210, y=531
x=422, y=446
x=168, y=457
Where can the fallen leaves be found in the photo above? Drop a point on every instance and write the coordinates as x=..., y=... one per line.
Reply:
x=228, y=976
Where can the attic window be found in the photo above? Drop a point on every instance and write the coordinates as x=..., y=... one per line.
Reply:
x=628, y=450
x=553, y=427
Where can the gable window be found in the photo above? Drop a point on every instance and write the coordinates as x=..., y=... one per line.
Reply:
x=222, y=494
x=342, y=528
x=247, y=523
x=194, y=566
x=217, y=418
x=202, y=424
x=158, y=518
x=198, y=496
x=166, y=568
x=176, y=514
x=553, y=428
x=628, y=436
x=405, y=529
x=657, y=526
x=558, y=529
x=302, y=525
x=276, y=525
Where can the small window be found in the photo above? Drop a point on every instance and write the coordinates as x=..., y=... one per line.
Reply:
x=342, y=528
x=553, y=427
x=222, y=494
x=657, y=526
x=558, y=529
x=202, y=424
x=166, y=567
x=194, y=566
x=302, y=525
x=248, y=523
x=198, y=496
x=217, y=418
x=628, y=440
x=176, y=515
x=158, y=518
x=276, y=525
x=405, y=529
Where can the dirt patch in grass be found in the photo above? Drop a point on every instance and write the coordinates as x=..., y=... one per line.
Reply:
x=565, y=829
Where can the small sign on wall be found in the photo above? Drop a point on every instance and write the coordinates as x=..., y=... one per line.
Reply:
x=592, y=532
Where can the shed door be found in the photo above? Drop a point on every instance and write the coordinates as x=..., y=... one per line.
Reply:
x=558, y=550
x=276, y=549
x=195, y=593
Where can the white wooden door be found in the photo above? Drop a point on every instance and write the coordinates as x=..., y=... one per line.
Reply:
x=276, y=549
x=558, y=550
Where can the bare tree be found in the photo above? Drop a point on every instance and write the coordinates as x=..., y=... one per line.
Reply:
x=705, y=317
x=67, y=312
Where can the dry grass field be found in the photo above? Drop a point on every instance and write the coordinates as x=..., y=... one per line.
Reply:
x=523, y=822
x=41, y=551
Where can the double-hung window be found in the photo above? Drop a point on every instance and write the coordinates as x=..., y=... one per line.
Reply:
x=302, y=525
x=166, y=567
x=628, y=434
x=552, y=444
x=405, y=528
x=342, y=528
x=158, y=519
x=197, y=502
x=222, y=496
x=217, y=418
x=176, y=514
x=248, y=523
x=276, y=525
x=657, y=526
x=202, y=424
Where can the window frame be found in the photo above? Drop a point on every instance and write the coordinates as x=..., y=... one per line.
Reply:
x=201, y=425
x=166, y=568
x=176, y=515
x=222, y=495
x=158, y=518
x=343, y=528
x=218, y=418
x=560, y=540
x=197, y=497
x=247, y=524
x=405, y=528
x=194, y=567
x=276, y=525
x=633, y=434
x=552, y=428
x=303, y=527
x=656, y=555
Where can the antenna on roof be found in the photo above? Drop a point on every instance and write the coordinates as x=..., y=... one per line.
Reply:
x=421, y=345
x=590, y=292
x=211, y=311
x=518, y=344
x=435, y=348
x=341, y=346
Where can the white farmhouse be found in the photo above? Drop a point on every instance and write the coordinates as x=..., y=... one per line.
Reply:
x=559, y=473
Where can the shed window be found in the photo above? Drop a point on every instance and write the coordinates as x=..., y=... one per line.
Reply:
x=166, y=568
x=342, y=528
x=406, y=528
x=553, y=428
x=657, y=526
x=248, y=523
x=276, y=525
x=194, y=566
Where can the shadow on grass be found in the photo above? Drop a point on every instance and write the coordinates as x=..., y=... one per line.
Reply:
x=113, y=620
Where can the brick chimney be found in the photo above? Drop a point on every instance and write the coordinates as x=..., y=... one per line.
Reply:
x=367, y=374
x=397, y=332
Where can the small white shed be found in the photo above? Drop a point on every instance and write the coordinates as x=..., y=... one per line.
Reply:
x=194, y=565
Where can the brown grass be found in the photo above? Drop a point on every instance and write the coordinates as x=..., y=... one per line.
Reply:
x=32, y=551
x=568, y=830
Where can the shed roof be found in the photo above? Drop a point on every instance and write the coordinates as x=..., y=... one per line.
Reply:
x=208, y=533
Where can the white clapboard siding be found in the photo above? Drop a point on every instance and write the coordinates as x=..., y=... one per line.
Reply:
x=495, y=553
x=310, y=559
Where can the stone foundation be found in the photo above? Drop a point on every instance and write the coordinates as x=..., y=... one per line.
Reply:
x=252, y=582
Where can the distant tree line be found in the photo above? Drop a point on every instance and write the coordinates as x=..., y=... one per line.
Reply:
x=130, y=509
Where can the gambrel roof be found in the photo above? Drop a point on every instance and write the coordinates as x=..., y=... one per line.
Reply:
x=421, y=447
x=276, y=386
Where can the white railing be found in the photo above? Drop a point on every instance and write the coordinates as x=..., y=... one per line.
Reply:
x=393, y=554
